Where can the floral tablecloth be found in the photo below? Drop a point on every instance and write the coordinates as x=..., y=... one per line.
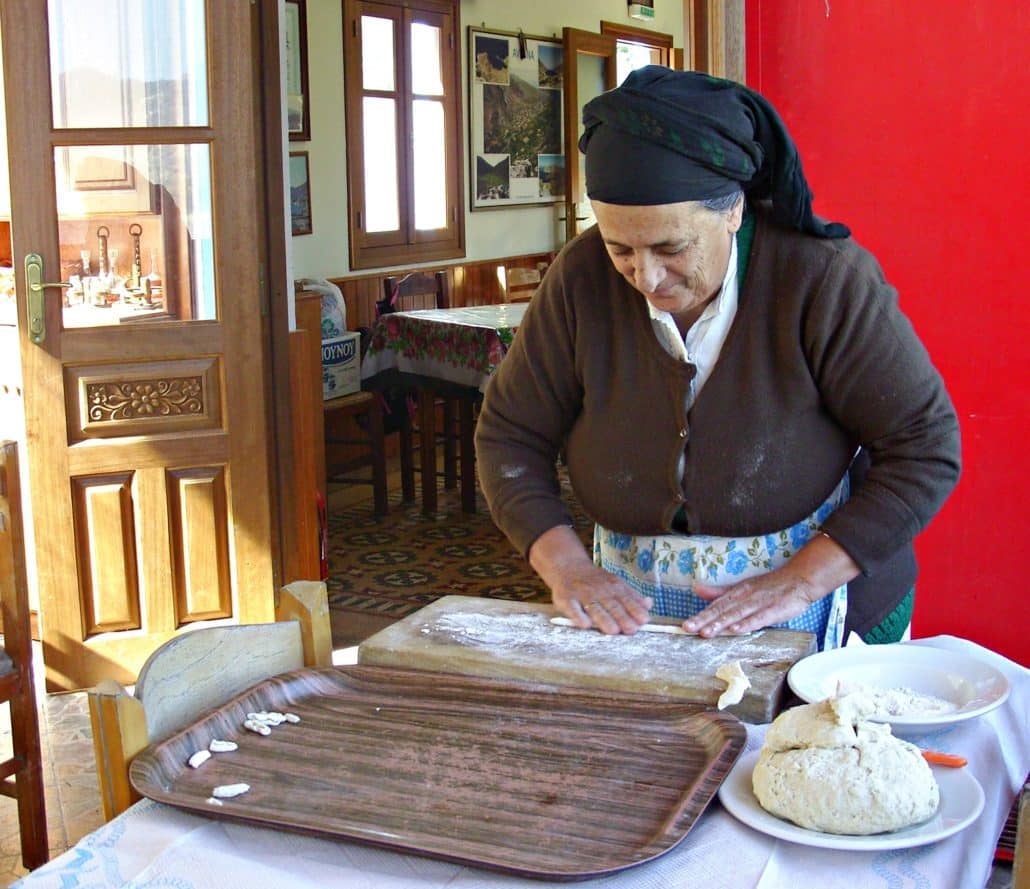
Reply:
x=462, y=346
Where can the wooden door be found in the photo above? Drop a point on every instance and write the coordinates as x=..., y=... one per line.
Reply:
x=589, y=70
x=132, y=141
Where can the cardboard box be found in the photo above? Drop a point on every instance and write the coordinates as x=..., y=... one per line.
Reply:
x=341, y=365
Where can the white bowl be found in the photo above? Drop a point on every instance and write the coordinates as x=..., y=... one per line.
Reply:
x=970, y=685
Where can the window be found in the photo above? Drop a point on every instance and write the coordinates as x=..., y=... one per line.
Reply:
x=402, y=74
x=637, y=47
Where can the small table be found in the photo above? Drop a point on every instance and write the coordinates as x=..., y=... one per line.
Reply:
x=442, y=352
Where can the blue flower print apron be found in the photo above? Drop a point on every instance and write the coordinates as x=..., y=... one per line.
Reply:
x=665, y=568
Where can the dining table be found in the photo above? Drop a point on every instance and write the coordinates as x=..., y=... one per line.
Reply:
x=442, y=353
x=155, y=844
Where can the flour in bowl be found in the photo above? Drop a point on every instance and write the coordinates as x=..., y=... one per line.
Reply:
x=900, y=700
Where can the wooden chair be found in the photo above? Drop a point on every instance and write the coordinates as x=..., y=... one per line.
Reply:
x=420, y=290
x=22, y=773
x=1021, y=857
x=348, y=433
x=518, y=283
x=198, y=672
x=366, y=409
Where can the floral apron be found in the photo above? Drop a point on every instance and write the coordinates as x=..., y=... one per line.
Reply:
x=665, y=568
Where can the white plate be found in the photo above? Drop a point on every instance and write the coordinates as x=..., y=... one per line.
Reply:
x=973, y=686
x=962, y=800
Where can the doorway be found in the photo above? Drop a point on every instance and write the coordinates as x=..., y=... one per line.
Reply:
x=132, y=305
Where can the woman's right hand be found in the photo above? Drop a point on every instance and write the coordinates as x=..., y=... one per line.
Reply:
x=587, y=595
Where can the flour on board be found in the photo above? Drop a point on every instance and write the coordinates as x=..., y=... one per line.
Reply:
x=531, y=638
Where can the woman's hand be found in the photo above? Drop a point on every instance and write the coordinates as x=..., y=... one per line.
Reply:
x=819, y=567
x=584, y=593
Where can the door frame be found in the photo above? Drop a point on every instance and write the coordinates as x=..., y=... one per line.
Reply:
x=278, y=292
x=714, y=33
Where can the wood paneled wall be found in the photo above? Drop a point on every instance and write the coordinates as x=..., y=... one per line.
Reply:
x=469, y=284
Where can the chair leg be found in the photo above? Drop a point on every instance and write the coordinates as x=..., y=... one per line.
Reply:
x=29, y=780
x=407, y=461
x=450, y=444
x=427, y=449
x=378, y=440
x=467, y=431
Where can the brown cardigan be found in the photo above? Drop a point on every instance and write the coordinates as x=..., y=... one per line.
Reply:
x=819, y=361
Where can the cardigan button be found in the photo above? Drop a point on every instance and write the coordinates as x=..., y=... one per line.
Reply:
x=683, y=433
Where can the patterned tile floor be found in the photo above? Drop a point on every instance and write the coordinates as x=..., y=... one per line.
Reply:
x=72, y=797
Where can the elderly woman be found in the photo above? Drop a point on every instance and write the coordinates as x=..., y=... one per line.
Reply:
x=744, y=410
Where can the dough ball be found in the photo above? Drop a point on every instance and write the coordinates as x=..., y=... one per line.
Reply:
x=865, y=789
x=825, y=768
x=834, y=722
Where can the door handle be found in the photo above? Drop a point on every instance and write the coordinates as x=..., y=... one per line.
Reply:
x=37, y=296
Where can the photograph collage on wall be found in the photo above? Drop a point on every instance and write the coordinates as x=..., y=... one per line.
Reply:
x=515, y=119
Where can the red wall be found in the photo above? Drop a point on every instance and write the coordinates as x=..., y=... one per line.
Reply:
x=913, y=122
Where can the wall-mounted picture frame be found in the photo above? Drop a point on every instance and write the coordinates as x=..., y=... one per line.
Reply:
x=515, y=119
x=300, y=194
x=298, y=117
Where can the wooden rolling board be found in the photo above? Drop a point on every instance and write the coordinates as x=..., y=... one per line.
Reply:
x=498, y=639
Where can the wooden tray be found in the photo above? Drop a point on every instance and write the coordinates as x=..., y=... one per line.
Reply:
x=531, y=779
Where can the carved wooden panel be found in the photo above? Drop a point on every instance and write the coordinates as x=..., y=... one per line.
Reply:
x=147, y=398
x=199, y=530
x=105, y=545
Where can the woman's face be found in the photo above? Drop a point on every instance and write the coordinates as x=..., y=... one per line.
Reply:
x=674, y=254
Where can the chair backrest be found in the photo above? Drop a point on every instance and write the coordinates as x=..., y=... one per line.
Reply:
x=23, y=771
x=519, y=283
x=416, y=290
x=198, y=672
x=215, y=664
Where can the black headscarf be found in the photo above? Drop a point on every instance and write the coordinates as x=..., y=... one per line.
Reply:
x=667, y=136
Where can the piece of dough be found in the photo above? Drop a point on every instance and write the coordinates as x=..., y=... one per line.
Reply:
x=736, y=684
x=671, y=629
x=825, y=768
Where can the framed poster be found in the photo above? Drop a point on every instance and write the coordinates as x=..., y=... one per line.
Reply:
x=298, y=124
x=300, y=194
x=515, y=119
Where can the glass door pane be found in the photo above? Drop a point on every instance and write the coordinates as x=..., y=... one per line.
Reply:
x=634, y=55
x=126, y=63
x=135, y=232
x=134, y=214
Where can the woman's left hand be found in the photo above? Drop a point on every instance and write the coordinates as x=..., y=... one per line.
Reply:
x=820, y=566
x=750, y=605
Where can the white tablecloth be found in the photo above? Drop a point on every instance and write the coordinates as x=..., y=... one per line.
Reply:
x=156, y=845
